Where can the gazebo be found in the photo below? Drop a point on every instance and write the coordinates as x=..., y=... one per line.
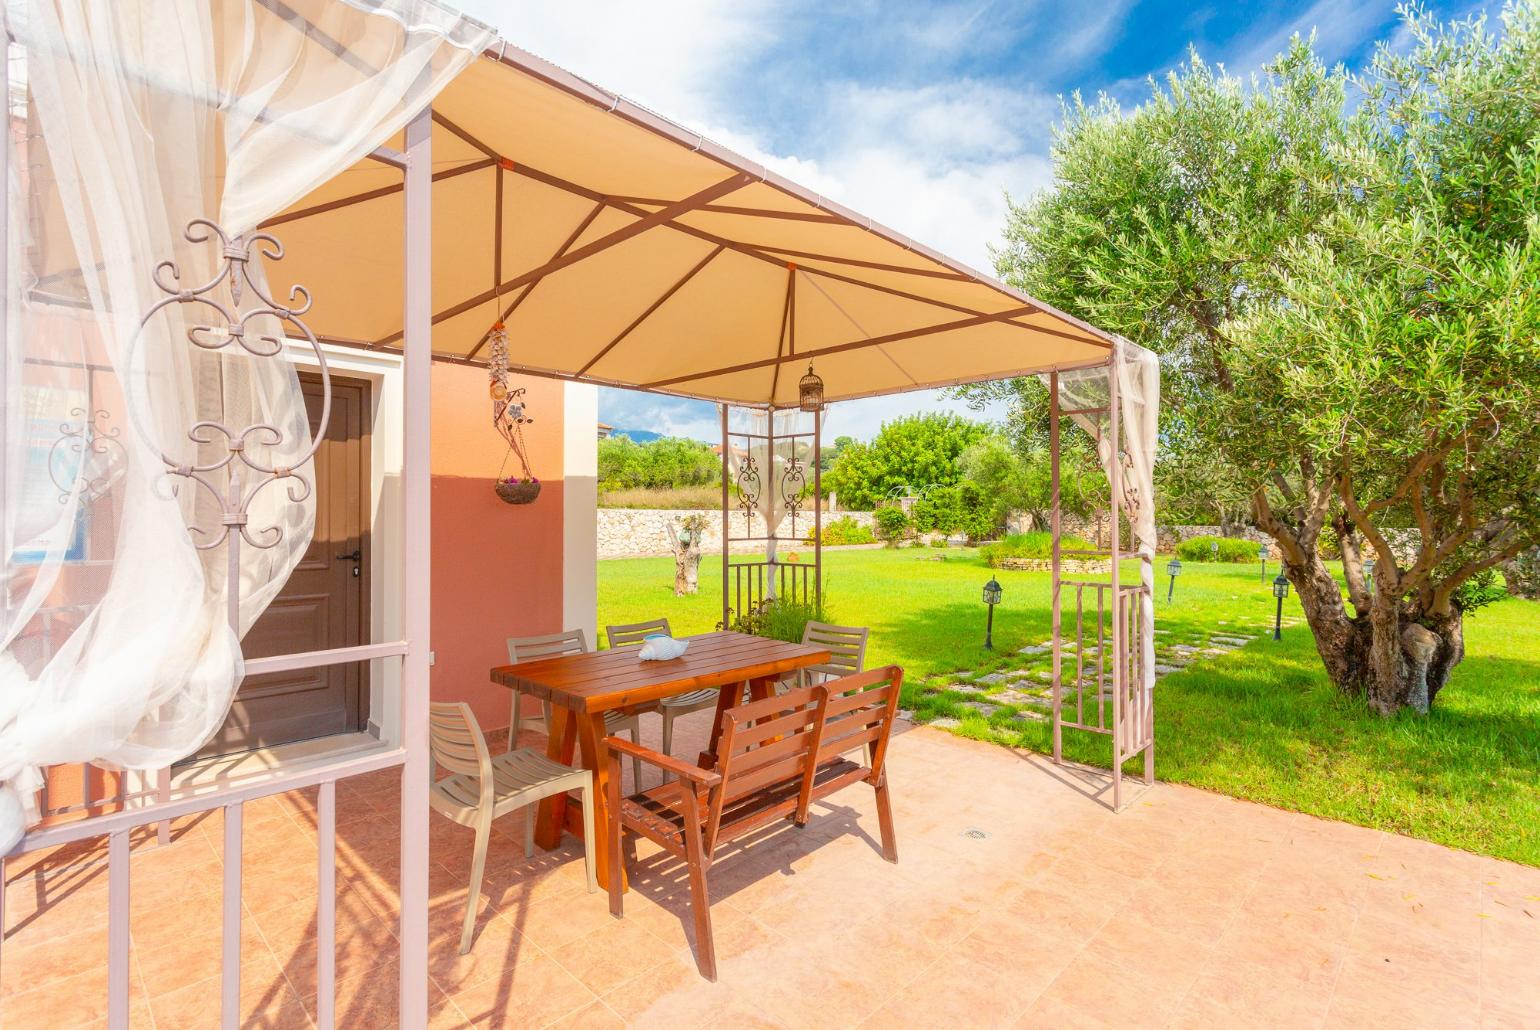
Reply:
x=442, y=194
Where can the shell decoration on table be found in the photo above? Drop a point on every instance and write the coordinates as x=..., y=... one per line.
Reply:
x=660, y=647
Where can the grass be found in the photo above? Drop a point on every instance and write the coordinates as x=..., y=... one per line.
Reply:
x=673, y=498
x=1260, y=722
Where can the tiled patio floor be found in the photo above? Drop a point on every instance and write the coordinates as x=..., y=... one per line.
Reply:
x=1189, y=909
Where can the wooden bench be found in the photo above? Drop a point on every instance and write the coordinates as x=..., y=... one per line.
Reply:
x=776, y=757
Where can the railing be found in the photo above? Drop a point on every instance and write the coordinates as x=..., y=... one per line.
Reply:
x=411, y=755
x=793, y=581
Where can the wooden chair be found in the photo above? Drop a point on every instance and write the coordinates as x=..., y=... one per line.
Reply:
x=670, y=708
x=481, y=788
x=573, y=641
x=778, y=756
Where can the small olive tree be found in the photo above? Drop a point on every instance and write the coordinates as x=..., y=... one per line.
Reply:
x=685, y=536
x=1344, y=296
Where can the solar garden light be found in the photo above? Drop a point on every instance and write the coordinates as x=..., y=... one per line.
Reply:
x=1262, y=557
x=1173, y=569
x=1369, y=572
x=991, y=598
x=1280, y=591
x=1213, y=549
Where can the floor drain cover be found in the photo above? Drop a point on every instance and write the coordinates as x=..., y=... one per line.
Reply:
x=974, y=833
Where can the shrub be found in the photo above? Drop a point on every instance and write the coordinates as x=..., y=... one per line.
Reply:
x=1480, y=590
x=845, y=530
x=780, y=618
x=1231, y=549
x=961, y=508
x=662, y=463
x=1030, y=545
x=892, y=523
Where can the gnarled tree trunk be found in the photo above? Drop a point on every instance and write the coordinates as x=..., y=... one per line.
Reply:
x=1394, y=657
x=685, y=542
x=1389, y=650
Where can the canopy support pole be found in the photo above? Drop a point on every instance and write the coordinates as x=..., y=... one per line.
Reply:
x=417, y=314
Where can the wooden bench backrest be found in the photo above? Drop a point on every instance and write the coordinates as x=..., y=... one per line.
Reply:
x=784, y=739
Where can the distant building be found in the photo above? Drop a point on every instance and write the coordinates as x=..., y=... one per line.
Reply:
x=605, y=430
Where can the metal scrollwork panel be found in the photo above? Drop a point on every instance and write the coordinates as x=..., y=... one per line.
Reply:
x=793, y=485
x=236, y=476
x=749, y=488
x=92, y=449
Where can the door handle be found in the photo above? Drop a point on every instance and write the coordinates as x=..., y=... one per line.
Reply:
x=356, y=556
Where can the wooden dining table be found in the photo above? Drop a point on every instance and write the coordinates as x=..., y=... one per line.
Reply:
x=581, y=688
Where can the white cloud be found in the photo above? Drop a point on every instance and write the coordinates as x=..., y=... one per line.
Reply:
x=1340, y=29
x=666, y=55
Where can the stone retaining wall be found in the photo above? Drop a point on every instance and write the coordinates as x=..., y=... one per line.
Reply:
x=642, y=532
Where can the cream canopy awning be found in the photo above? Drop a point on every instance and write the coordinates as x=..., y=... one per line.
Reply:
x=623, y=249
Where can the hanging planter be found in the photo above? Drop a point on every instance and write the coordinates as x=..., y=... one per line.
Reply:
x=515, y=491
x=509, y=417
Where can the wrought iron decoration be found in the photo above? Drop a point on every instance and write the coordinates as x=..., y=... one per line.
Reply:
x=244, y=475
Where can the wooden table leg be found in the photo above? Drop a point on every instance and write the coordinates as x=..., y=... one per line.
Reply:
x=726, y=698
x=559, y=747
x=591, y=738
x=761, y=688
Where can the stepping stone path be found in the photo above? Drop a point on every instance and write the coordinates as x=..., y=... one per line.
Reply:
x=945, y=723
x=1231, y=641
x=966, y=688
x=906, y=715
x=982, y=707
x=1016, y=697
x=996, y=677
x=1036, y=649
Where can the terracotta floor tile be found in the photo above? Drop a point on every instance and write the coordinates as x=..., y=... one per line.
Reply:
x=538, y=991
x=1092, y=994
x=1189, y=908
x=1235, y=996
x=612, y=955
x=266, y=1000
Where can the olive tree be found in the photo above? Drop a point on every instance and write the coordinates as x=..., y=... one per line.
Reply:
x=1340, y=274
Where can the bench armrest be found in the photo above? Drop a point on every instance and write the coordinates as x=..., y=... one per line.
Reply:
x=668, y=763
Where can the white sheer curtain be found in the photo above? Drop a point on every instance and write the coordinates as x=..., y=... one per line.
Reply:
x=139, y=116
x=1138, y=372
x=769, y=453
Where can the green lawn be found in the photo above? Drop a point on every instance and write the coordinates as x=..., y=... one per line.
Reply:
x=1260, y=722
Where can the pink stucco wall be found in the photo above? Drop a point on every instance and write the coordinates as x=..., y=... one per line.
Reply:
x=497, y=568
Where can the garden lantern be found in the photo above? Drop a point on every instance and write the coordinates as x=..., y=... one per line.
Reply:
x=1280, y=591
x=991, y=598
x=1173, y=569
x=810, y=391
x=1213, y=549
x=1369, y=572
x=1262, y=557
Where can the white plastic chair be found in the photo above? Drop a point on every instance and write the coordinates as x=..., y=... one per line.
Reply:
x=847, y=651
x=670, y=708
x=573, y=641
x=482, y=788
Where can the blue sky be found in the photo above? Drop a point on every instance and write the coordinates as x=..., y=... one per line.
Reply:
x=922, y=115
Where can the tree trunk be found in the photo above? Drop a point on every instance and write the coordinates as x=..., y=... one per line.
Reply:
x=686, y=570
x=1394, y=657
x=1389, y=652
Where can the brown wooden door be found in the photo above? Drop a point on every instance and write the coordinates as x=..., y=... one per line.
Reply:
x=324, y=604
